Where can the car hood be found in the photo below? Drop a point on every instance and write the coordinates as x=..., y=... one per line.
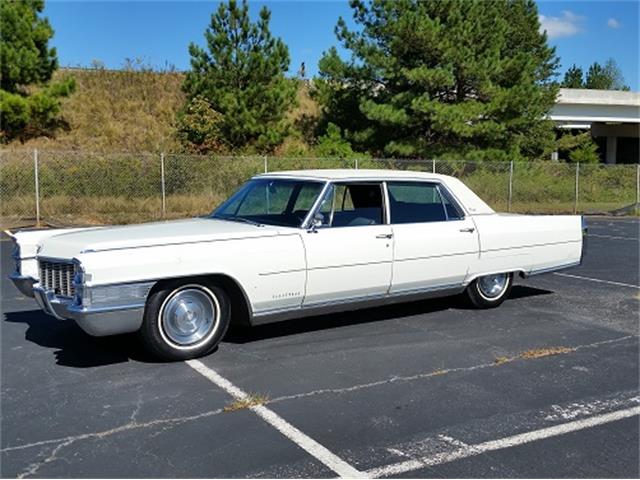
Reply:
x=69, y=245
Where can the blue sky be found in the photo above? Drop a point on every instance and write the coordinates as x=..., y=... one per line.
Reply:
x=159, y=31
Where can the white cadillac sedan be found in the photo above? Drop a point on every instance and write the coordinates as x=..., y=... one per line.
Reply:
x=289, y=244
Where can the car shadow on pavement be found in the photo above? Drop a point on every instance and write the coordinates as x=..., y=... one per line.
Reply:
x=241, y=335
x=74, y=348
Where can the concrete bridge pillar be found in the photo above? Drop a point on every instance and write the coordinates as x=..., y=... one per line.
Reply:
x=612, y=149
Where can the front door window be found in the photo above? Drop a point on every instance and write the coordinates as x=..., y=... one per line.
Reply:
x=351, y=205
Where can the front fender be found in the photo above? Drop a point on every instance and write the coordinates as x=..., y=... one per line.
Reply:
x=271, y=271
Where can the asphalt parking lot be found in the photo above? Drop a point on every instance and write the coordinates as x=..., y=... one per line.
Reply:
x=545, y=386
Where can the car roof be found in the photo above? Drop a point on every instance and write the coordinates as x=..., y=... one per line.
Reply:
x=352, y=174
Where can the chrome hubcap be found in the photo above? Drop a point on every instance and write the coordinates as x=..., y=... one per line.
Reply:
x=491, y=286
x=188, y=316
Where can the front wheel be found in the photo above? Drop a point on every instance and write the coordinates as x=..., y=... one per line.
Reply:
x=490, y=290
x=185, y=319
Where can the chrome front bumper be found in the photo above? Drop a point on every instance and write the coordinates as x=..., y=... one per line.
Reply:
x=23, y=283
x=97, y=322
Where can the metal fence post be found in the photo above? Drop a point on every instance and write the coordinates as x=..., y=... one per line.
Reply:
x=37, y=184
x=162, y=181
x=356, y=160
x=510, y=186
x=637, y=184
x=266, y=164
x=575, y=207
x=433, y=165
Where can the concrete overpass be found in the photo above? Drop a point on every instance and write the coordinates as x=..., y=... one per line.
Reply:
x=612, y=116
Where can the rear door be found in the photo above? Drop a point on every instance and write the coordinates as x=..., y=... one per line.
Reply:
x=434, y=243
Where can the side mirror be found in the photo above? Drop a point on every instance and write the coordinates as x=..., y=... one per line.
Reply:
x=316, y=221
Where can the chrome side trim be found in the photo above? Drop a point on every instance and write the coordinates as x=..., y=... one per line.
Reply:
x=365, y=301
x=281, y=272
x=550, y=244
x=410, y=259
x=348, y=265
x=436, y=288
x=540, y=271
x=193, y=242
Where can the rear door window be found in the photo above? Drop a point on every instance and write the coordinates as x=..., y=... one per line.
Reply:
x=418, y=202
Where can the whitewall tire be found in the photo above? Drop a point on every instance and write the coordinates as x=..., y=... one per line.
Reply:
x=185, y=319
x=490, y=290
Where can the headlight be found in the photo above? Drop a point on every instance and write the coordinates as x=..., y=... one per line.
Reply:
x=79, y=278
x=78, y=287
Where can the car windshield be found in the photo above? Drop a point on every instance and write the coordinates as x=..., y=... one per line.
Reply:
x=271, y=201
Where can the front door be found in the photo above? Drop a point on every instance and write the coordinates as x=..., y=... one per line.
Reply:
x=350, y=254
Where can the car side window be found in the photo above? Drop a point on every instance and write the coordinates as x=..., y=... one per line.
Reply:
x=453, y=210
x=305, y=199
x=267, y=198
x=417, y=202
x=352, y=204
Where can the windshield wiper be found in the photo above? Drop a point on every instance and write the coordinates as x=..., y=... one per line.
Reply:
x=239, y=219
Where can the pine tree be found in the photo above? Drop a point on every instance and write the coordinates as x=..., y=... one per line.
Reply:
x=452, y=78
x=597, y=78
x=241, y=75
x=605, y=77
x=573, y=78
x=28, y=105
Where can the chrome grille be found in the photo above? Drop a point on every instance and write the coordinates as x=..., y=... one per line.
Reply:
x=57, y=276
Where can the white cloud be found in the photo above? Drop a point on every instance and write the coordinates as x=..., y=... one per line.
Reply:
x=566, y=25
x=613, y=23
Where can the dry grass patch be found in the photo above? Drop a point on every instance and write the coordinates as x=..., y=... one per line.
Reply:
x=249, y=401
x=502, y=360
x=545, y=352
x=534, y=353
x=126, y=110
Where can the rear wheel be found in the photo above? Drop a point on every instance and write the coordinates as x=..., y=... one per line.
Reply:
x=185, y=319
x=490, y=290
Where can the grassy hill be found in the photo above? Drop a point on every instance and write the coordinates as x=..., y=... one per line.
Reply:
x=117, y=111
x=132, y=111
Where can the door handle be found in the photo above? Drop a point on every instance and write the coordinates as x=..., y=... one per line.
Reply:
x=385, y=235
x=468, y=230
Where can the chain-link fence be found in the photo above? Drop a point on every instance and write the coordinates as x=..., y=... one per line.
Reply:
x=69, y=188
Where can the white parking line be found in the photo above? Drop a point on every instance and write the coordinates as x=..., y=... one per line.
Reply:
x=613, y=237
x=506, y=442
x=608, y=282
x=305, y=442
